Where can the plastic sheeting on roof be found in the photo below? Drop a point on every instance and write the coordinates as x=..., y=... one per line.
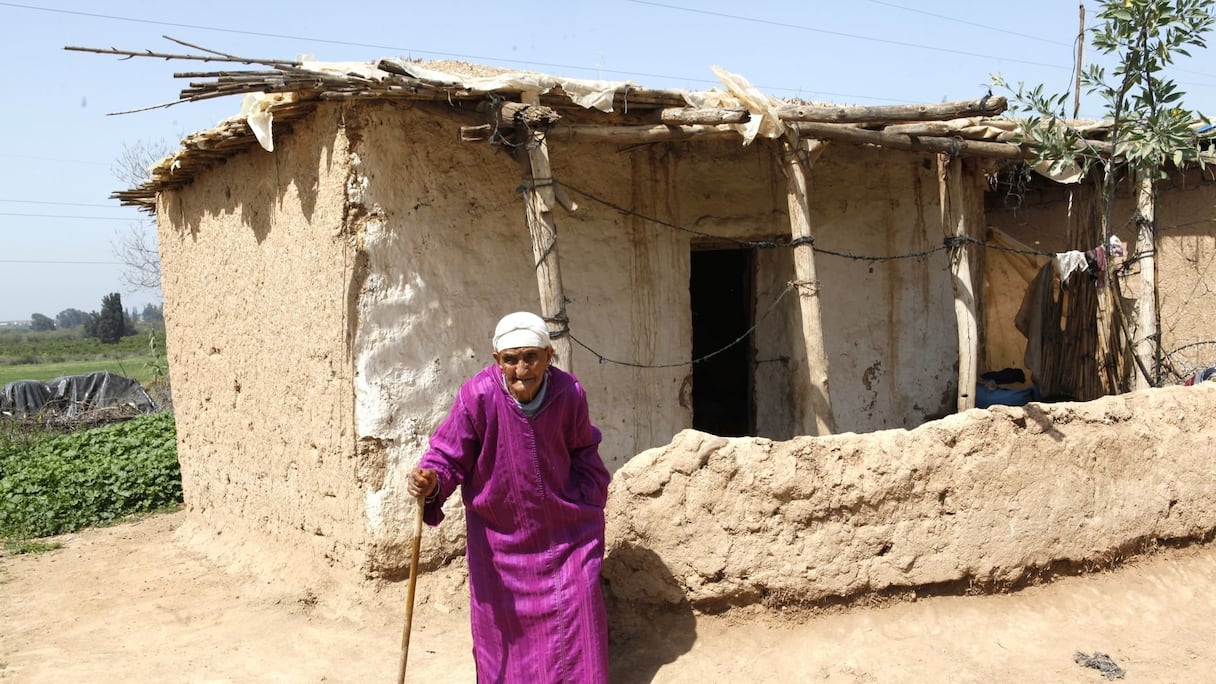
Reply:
x=765, y=119
x=256, y=109
x=591, y=94
x=587, y=93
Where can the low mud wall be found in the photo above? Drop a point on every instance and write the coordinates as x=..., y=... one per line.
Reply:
x=986, y=496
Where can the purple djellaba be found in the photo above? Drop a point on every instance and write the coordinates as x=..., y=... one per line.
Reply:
x=520, y=445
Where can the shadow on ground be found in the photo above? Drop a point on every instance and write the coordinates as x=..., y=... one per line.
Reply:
x=645, y=635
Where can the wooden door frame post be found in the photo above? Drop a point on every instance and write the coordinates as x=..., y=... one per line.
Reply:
x=960, y=211
x=540, y=196
x=815, y=417
x=1147, y=346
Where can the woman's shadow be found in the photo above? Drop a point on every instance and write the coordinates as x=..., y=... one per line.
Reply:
x=650, y=622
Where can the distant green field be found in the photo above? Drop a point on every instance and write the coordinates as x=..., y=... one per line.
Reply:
x=18, y=346
x=132, y=367
x=29, y=355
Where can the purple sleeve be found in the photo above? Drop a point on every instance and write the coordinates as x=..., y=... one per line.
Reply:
x=587, y=468
x=453, y=451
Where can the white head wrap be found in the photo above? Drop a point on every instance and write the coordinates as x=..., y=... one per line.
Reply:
x=521, y=329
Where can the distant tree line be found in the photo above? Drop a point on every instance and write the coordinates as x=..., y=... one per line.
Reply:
x=40, y=322
x=109, y=325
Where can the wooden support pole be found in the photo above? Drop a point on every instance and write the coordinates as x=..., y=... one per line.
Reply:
x=985, y=106
x=960, y=220
x=884, y=114
x=513, y=114
x=954, y=146
x=629, y=135
x=817, y=417
x=1109, y=313
x=834, y=132
x=711, y=116
x=633, y=135
x=1147, y=328
x=539, y=200
x=1080, y=63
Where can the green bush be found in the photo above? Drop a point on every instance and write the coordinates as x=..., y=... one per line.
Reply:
x=52, y=485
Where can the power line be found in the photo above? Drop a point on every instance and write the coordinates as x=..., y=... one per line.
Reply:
x=947, y=244
x=600, y=70
x=61, y=216
x=61, y=263
x=51, y=159
x=972, y=23
x=841, y=34
x=918, y=46
x=344, y=43
x=484, y=59
x=61, y=204
x=1022, y=35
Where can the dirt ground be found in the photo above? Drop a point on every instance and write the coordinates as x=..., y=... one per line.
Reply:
x=136, y=603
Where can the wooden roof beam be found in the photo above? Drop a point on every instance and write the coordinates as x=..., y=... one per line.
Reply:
x=629, y=135
x=707, y=116
x=845, y=133
x=954, y=146
x=987, y=106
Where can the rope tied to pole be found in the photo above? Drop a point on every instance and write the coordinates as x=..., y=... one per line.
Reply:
x=805, y=287
x=563, y=322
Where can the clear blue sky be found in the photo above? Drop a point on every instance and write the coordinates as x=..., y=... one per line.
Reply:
x=60, y=145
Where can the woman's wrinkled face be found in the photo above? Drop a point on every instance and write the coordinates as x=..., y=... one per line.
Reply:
x=524, y=370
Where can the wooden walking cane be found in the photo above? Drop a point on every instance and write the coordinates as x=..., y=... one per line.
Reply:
x=409, y=594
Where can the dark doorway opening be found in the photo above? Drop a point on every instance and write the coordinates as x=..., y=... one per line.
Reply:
x=720, y=289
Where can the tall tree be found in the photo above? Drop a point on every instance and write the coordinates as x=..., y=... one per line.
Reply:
x=89, y=327
x=70, y=318
x=111, y=322
x=1149, y=128
x=39, y=322
x=136, y=247
x=152, y=313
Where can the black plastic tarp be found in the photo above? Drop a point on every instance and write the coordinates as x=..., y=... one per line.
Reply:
x=74, y=395
x=24, y=397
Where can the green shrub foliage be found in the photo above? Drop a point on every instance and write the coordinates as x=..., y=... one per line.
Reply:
x=63, y=483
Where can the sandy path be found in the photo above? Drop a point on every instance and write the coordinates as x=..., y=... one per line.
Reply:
x=133, y=603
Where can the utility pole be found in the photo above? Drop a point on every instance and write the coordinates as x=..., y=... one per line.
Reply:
x=1076, y=102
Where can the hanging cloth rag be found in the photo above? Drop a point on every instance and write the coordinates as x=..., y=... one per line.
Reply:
x=1030, y=319
x=1068, y=263
x=1099, y=275
x=1098, y=259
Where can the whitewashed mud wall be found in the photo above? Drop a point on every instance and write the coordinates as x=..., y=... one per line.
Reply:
x=441, y=262
x=990, y=497
x=448, y=253
x=627, y=282
x=256, y=269
x=329, y=297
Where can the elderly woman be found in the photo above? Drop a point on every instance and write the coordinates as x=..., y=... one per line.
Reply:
x=520, y=445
